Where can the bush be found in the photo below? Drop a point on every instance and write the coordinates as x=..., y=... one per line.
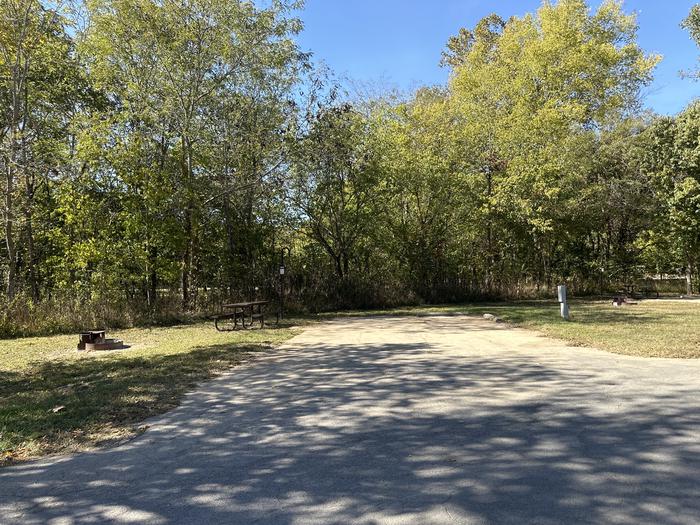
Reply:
x=23, y=317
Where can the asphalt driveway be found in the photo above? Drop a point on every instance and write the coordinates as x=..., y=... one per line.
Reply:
x=429, y=420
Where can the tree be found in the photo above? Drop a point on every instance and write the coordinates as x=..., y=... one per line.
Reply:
x=40, y=86
x=613, y=210
x=334, y=183
x=187, y=79
x=692, y=25
x=421, y=170
x=531, y=95
x=156, y=157
x=673, y=162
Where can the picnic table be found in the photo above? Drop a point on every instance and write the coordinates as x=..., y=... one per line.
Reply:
x=630, y=291
x=245, y=312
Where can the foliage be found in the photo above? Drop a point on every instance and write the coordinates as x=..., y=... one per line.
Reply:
x=501, y=167
x=673, y=162
x=104, y=396
x=158, y=156
x=692, y=25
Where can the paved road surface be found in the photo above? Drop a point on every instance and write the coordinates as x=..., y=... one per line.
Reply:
x=432, y=420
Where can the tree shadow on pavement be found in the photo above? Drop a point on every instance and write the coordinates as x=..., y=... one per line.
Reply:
x=388, y=433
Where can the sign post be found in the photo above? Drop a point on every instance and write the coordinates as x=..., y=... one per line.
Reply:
x=561, y=292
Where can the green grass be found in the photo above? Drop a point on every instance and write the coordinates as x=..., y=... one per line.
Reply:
x=652, y=328
x=105, y=395
x=648, y=329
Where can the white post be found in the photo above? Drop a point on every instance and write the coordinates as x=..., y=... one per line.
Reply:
x=561, y=292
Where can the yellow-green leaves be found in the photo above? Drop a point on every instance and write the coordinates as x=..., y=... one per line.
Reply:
x=530, y=88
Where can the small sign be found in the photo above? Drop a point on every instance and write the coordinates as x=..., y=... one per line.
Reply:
x=282, y=270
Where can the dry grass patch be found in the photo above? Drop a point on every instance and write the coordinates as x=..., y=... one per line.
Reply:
x=651, y=328
x=55, y=399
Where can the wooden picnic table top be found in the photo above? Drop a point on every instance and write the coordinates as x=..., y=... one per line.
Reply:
x=245, y=304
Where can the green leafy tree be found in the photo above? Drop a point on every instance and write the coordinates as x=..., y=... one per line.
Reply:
x=692, y=25
x=198, y=91
x=531, y=94
x=422, y=173
x=41, y=86
x=334, y=184
x=673, y=160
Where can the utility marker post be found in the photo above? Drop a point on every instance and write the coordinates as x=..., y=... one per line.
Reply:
x=561, y=291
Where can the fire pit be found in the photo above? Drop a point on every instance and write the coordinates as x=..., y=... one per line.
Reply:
x=96, y=340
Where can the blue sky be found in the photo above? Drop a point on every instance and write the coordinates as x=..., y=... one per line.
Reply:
x=398, y=42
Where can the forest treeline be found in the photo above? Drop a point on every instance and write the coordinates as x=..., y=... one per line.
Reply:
x=158, y=156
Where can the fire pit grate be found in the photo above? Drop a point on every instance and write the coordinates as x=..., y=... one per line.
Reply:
x=93, y=340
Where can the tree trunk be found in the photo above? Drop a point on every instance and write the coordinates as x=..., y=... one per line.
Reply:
x=9, y=235
x=19, y=75
x=689, y=279
x=346, y=265
x=229, y=225
x=31, y=258
x=339, y=267
x=31, y=255
x=151, y=289
x=188, y=255
x=152, y=278
x=187, y=262
x=490, y=259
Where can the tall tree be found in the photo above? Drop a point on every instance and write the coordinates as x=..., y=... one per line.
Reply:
x=672, y=159
x=531, y=94
x=692, y=25
x=181, y=72
x=40, y=84
x=422, y=170
x=334, y=183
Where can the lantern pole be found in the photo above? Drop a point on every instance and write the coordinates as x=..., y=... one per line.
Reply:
x=283, y=271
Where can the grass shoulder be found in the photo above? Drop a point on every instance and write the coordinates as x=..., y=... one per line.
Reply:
x=651, y=328
x=55, y=399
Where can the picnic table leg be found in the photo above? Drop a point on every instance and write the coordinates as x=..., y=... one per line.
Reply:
x=256, y=313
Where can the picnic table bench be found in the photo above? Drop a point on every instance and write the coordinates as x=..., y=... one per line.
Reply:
x=630, y=293
x=245, y=312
